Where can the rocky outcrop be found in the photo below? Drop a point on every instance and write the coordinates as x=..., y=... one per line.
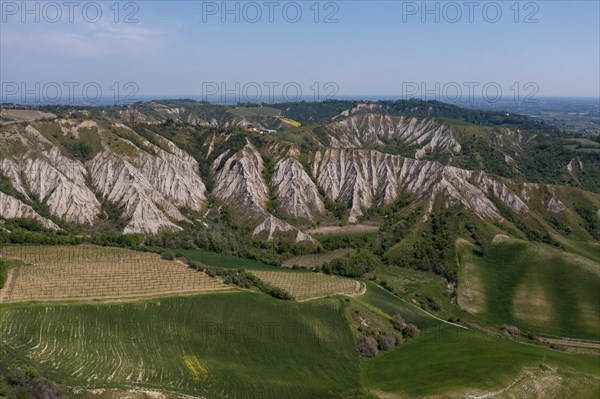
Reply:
x=239, y=184
x=501, y=192
x=12, y=208
x=368, y=178
x=554, y=205
x=148, y=184
x=297, y=194
x=367, y=130
x=574, y=163
x=55, y=179
x=271, y=225
x=239, y=181
x=150, y=179
x=172, y=173
x=122, y=183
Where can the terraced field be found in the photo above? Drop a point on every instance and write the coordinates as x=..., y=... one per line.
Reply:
x=230, y=344
x=532, y=286
x=307, y=285
x=85, y=272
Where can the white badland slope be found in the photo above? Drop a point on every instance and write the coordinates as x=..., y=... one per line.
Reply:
x=151, y=184
x=367, y=178
x=148, y=188
x=359, y=131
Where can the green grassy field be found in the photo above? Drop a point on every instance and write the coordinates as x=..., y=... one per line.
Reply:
x=590, y=250
x=447, y=361
x=532, y=286
x=252, y=111
x=238, y=344
x=391, y=305
x=450, y=362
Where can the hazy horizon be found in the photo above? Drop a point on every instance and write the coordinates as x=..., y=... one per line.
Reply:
x=255, y=52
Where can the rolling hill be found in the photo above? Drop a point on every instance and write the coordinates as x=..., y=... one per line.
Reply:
x=452, y=220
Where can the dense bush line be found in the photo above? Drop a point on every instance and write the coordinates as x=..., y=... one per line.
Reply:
x=590, y=221
x=373, y=340
x=434, y=250
x=358, y=265
x=17, y=383
x=243, y=279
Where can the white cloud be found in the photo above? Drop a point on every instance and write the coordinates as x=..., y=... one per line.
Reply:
x=81, y=40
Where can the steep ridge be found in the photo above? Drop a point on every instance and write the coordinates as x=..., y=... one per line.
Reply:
x=297, y=194
x=37, y=166
x=150, y=179
x=123, y=184
x=368, y=178
x=172, y=173
x=239, y=183
x=149, y=187
x=365, y=130
x=12, y=208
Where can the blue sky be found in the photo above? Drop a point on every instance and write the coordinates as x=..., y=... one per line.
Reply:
x=374, y=48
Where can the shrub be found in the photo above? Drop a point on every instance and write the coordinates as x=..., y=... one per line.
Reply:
x=356, y=266
x=511, y=330
x=386, y=342
x=26, y=384
x=412, y=331
x=399, y=339
x=398, y=322
x=167, y=255
x=367, y=346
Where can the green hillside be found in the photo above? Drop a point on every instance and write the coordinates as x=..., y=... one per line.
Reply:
x=450, y=362
x=223, y=345
x=532, y=286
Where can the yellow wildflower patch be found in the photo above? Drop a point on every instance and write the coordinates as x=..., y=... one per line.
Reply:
x=198, y=370
x=290, y=122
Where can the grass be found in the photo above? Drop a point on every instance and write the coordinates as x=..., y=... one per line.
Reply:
x=535, y=287
x=590, y=250
x=255, y=111
x=379, y=298
x=448, y=361
x=244, y=344
x=584, y=142
x=304, y=285
x=236, y=344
